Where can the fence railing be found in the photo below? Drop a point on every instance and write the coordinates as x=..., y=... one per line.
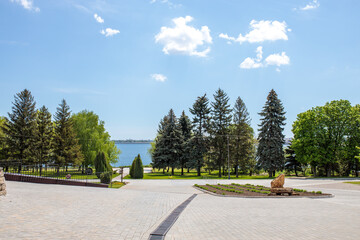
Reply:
x=52, y=174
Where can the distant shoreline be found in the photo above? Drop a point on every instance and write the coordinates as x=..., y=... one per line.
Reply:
x=133, y=141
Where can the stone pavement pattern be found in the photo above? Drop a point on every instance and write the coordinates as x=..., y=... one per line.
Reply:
x=39, y=211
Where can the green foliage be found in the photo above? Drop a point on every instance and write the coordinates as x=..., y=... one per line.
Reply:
x=105, y=177
x=44, y=134
x=137, y=169
x=66, y=147
x=219, y=127
x=2, y=138
x=291, y=162
x=271, y=138
x=326, y=137
x=197, y=144
x=101, y=164
x=20, y=128
x=90, y=131
x=185, y=128
x=242, y=140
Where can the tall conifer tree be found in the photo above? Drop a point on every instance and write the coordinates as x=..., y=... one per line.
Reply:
x=271, y=138
x=198, y=144
x=220, y=122
x=185, y=127
x=66, y=147
x=173, y=142
x=242, y=137
x=43, y=136
x=20, y=128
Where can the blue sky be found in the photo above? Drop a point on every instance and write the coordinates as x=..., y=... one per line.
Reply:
x=135, y=59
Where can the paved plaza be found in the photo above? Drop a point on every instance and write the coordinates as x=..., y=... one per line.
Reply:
x=40, y=211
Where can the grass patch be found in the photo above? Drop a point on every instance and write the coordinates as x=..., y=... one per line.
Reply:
x=116, y=184
x=357, y=182
x=156, y=174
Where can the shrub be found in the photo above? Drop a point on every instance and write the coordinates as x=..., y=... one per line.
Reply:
x=105, y=177
x=319, y=192
x=137, y=169
x=101, y=165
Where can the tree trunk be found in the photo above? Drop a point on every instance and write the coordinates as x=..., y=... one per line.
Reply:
x=199, y=171
x=182, y=170
x=250, y=173
x=168, y=169
x=188, y=170
x=237, y=171
x=270, y=174
x=163, y=170
x=328, y=171
x=295, y=170
x=357, y=168
x=219, y=170
x=172, y=171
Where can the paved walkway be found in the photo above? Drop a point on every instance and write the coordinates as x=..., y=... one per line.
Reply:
x=37, y=211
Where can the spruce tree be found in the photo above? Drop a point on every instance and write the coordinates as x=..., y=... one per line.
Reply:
x=66, y=147
x=242, y=137
x=198, y=143
x=271, y=138
x=43, y=136
x=219, y=128
x=158, y=157
x=173, y=142
x=291, y=163
x=185, y=127
x=20, y=128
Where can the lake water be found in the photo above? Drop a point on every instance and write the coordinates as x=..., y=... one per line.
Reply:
x=130, y=150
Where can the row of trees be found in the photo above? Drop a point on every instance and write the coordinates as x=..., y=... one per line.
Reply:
x=218, y=133
x=30, y=136
x=327, y=137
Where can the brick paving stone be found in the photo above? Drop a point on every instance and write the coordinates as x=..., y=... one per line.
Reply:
x=40, y=211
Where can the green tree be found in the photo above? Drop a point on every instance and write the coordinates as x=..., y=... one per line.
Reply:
x=327, y=137
x=158, y=156
x=43, y=137
x=20, y=128
x=173, y=142
x=219, y=127
x=2, y=139
x=66, y=146
x=291, y=162
x=198, y=143
x=185, y=127
x=271, y=138
x=242, y=137
x=138, y=170
x=101, y=164
x=93, y=137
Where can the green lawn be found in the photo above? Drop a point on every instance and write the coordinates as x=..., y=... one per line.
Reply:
x=357, y=182
x=193, y=175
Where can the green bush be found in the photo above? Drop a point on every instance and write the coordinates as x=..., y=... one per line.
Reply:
x=101, y=165
x=105, y=177
x=137, y=169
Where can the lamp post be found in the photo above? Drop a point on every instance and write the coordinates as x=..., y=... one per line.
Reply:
x=228, y=157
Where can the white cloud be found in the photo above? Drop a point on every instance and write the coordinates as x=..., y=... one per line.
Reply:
x=108, y=32
x=27, y=4
x=184, y=39
x=158, y=77
x=312, y=5
x=249, y=63
x=168, y=2
x=271, y=60
x=277, y=59
x=98, y=18
x=261, y=31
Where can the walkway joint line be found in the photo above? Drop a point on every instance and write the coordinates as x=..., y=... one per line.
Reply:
x=160, y=232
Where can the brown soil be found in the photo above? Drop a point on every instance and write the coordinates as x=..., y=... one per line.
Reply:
x=246, y=191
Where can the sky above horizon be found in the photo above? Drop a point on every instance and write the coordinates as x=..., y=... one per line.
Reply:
x=130, y=61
